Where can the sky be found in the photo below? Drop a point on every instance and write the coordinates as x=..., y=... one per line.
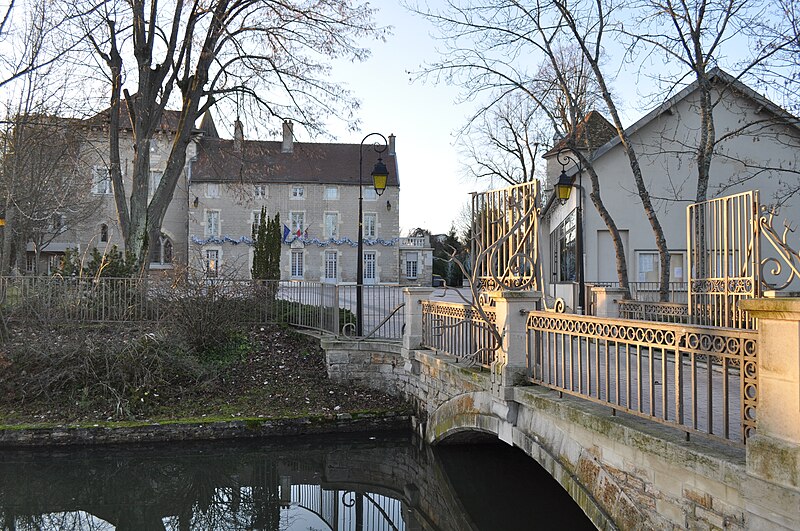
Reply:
x=434, y=188
x=422, y=116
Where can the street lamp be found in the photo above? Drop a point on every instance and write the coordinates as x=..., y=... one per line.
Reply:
x=562, y=189
x=380, y=175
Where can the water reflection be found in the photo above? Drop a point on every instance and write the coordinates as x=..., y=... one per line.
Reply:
x=369, y=483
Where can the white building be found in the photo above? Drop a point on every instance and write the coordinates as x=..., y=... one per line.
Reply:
x=757, y=148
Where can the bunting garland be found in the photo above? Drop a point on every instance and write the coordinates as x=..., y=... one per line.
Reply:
x=305, y=240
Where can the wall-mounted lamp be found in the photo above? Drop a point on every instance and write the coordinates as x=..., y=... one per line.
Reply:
x=196, y=201
x=388, y=205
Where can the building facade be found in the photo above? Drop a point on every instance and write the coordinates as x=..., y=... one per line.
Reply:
x=757, y=148
x=210, y=224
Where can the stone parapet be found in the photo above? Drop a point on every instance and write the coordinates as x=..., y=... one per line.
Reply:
x=773, y=453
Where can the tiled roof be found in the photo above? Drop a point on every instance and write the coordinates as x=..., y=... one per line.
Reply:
x=263, y=162
x=169, y=119
x=591, y=133
x=716, y=75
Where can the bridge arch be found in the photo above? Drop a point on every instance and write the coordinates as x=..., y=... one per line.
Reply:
x=463, y=417
x=479, y=415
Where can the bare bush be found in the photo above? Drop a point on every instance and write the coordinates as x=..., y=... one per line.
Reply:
x=114, y=370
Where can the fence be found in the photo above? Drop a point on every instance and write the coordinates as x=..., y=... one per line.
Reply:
x=459, y=330
x=315, y=305
x=664, y=312
x=648, y=291
x=701, y=379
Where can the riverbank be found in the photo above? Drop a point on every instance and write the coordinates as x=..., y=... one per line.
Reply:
x=108, y=384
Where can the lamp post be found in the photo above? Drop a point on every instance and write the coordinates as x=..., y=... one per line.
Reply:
x=380, y=175
x=562, y=189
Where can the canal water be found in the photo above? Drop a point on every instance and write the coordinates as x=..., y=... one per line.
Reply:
x=361, y=482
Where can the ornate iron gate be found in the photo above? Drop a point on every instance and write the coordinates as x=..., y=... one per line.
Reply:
x=724, y=260
x=505, y=244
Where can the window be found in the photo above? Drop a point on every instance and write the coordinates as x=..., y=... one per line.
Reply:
x=297, y=264
x=212, y=190
x=562, y=242
x=370, y=225
x=298, y=192
x=297, y=223
x=30, y=263
x=331, y=224
x=256, y=221
x=260, y=191
x=212, y=223
x=212, y=262
x=101, y=180
x=412, y=265
x=53, y=263
x=369, y=267
x=161, y=251
x=648, y=266
x=103, y=232
x=331, y=193
x=369, y=193
x=331, y=265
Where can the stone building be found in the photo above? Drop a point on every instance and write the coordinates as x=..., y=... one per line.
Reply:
x=208, y=228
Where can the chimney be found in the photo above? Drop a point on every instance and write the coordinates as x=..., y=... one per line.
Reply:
x=288, y=137
x=391, y=145
x=238, y=135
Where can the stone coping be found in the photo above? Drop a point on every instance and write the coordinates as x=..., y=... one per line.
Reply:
x=778, y=308
x=12, y=437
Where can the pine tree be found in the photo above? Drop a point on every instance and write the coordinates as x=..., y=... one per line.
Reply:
x=273, y=249
x=261, y=248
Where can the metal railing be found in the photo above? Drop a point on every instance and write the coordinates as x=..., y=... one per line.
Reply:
x=420, y=241
x=77, y=299
x=698, y=378
x=663, y=312
x=459, y=330
x=379, y=302
x=724, y=259
x=648, y=291
x=316, y=305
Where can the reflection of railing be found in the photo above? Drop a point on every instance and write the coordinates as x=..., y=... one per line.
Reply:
x=350, y=510
x=699, y=378
x=459, y=330
x=664, y=312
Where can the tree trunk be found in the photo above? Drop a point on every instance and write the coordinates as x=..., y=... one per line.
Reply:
x=605, y=215
x=8, y=236
x=630, y=152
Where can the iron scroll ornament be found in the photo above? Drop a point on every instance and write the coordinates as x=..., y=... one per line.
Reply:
x=511, y=262
x=780, y=242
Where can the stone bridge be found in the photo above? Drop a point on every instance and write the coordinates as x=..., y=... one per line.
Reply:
x=624, y=472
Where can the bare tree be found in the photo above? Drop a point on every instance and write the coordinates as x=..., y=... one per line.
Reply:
x=587, y=22
x=483, y=44
x=504, y=142
x=695, y=35
x=32, y=39
x=44, y=187
x=274, y=54
x=41, y=184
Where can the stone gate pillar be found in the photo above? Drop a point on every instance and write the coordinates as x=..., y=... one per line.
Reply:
x=510, y=367
x=412, y=335
x=773, y=452
x=606, y=301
